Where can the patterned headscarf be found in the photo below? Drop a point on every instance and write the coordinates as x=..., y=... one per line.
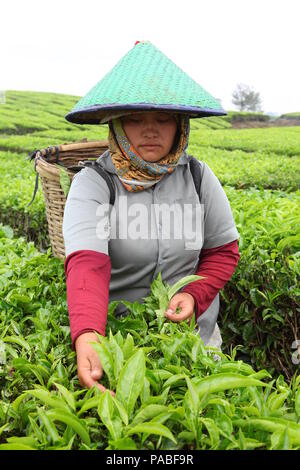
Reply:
x=134, y=172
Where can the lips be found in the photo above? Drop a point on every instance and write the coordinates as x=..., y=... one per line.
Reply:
x=150, y=145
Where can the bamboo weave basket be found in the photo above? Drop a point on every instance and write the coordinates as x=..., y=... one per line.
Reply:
x=69, y=156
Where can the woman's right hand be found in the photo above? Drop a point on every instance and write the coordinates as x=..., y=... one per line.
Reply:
x=88, y=363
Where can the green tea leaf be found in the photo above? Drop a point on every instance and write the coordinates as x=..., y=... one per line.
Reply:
x=106, y=358
x=224, y=425
x=16, y=403
x=47, y=398
x=297, y=402
x=276, y=400
x=117, y=356
x=145, y=393
x=229, y=408
x=192, y=396
x=64, y=180
x=181, y=283
x=15, y=446
x=122, y=412
x=68, y=396
x=17, y=340
x=92, y=402
x=49, y=425
x=37, y=431
x=273, y=425
x=107, y=413
x=126, y=443
x=219, y=382
x=27, y=440
x=131, y=381
x=75, y=423
x=280, y=440
x=148, y=413
x=128, y=347
x=212, y=431
x=175, y=380
x=151, y=428
x=159, y=399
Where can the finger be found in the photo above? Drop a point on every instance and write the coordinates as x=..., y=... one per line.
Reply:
x=103, y=389
x=85, y=375
x=183, y=315
x=170, y=311
x=86, y=380
x=178, y=301
x=97, y=372
x=173, y=306
x=84, y=368
x=96, y=368
x=88, y=359
x=178, y=317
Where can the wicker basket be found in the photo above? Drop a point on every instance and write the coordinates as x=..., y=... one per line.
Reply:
x=68, y=156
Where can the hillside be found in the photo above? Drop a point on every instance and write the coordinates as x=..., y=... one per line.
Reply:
x=184, y=395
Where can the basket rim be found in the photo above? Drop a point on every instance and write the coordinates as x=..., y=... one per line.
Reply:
x=50, y=169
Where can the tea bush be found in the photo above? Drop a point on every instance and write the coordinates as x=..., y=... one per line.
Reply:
x=185, y=395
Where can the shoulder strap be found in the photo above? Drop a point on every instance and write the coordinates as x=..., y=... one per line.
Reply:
x=195, y=167
x=109, y=180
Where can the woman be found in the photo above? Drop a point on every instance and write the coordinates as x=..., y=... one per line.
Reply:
x=149, y=165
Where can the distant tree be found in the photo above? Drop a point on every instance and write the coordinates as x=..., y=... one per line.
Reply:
x=246, y=99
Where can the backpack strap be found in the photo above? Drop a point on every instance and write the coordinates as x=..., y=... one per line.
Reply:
x=109, y=180
x=196, y=167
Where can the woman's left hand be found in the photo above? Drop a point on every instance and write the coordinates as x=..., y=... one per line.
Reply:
x=186, y=304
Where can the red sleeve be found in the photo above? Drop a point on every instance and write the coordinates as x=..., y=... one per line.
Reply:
x=217, y=265
x=87, y=279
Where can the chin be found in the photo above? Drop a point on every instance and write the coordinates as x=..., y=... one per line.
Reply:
x=151, y=157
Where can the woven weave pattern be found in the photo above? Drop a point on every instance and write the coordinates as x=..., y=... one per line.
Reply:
x=144, y=79
x=146, y=75
x=69, y=155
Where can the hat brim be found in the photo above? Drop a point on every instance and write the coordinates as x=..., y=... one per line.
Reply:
x=100, y=114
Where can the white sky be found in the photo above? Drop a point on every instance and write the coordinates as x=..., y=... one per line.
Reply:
x=67, y=46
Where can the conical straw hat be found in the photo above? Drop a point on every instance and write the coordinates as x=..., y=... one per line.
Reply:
x=144, y=79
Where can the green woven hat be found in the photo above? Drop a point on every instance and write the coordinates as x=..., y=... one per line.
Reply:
x=144, y=79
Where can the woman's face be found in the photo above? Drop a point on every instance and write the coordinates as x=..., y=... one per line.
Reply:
x=151, y=133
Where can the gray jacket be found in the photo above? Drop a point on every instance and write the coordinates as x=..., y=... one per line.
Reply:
x=136, y=261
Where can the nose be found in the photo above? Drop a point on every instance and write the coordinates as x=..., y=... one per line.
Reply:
x=149, y=126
